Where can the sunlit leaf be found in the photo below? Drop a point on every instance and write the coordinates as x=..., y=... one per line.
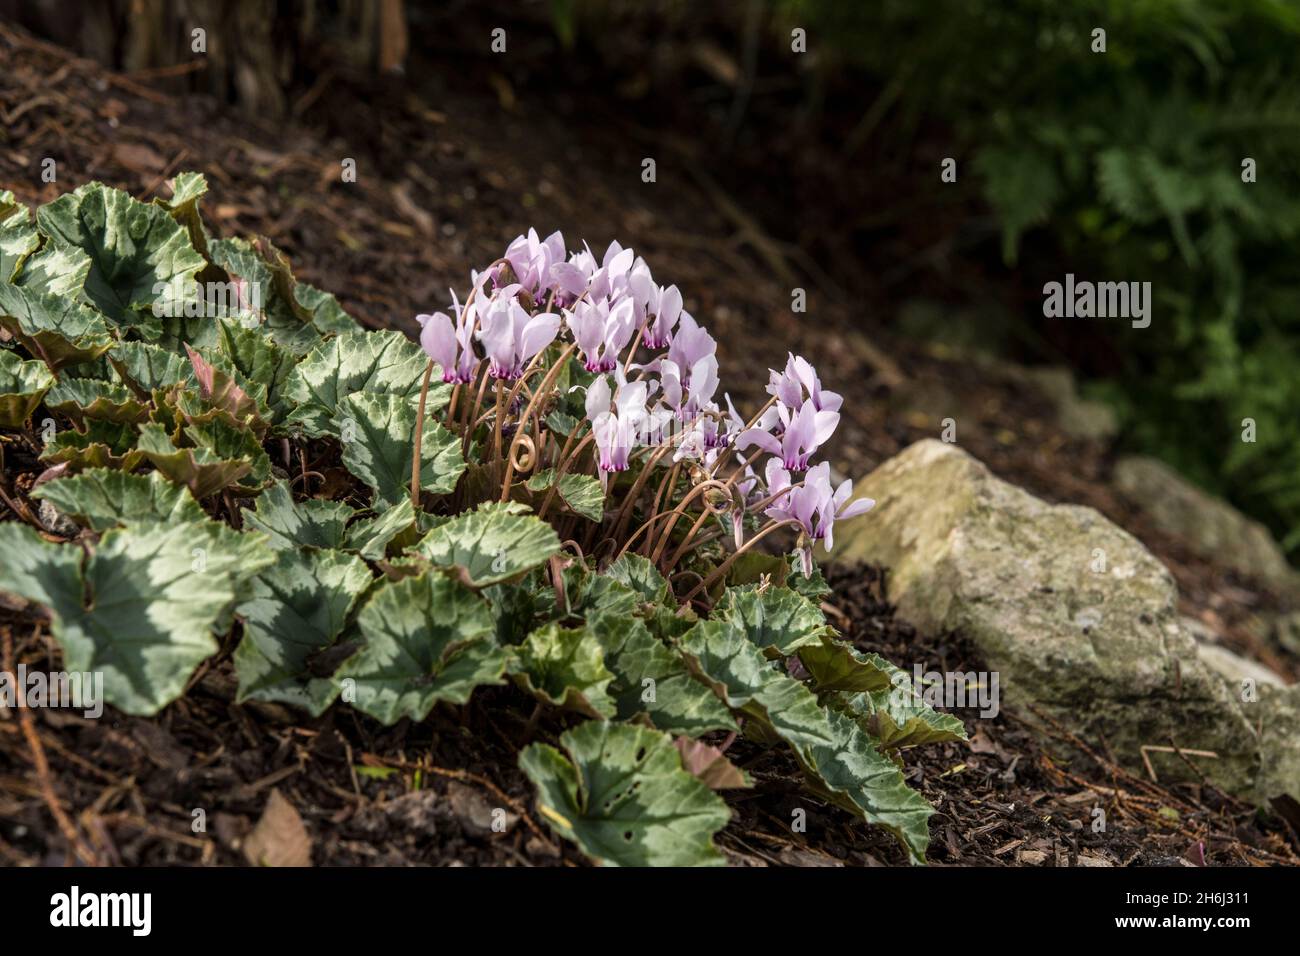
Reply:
x=22, y=386
x=776, y=619
x=136, y=251
x=371, y=362
x=652, y=679
x=491, y=544
x=582, y=493
x=53, y=328
x=298, y=609
x=620, y=794
x=99, y=445
x=82, y=398
x=377, y=432
x=201, y=469
x=101, y=498
x=565, y=667
x=141, y=608
x=426, y=638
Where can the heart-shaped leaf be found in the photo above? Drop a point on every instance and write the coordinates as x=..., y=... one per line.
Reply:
x=565, y=667
x=56, y=270
x=326, y=314
x=145, y=368
x=427, y=638
x=852, y=773
x=100, y=445
x=139, y=255
x=898, y=718
x=491, y=544
x=620, y=794
x=837, y=666
x=777, y=620
x=55, y=328
x=839, y=760
x=142, y=607
x=22, y=386
x=377, y=432
x=102, y=498
x=376, y=363
x=260, y=367
x=651, y=679
x=582, y=493
x=204, y=470
x=298, y=608
x=82, y=398
x=18, y=237
x=290, y=524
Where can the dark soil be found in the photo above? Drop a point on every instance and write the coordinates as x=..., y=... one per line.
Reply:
x=424, y=793
x=446, y=179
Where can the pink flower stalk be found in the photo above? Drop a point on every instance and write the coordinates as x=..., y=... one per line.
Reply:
x=601, y=332
x=511, y=337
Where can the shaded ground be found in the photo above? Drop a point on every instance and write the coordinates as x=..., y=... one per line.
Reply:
x=425, y=793
x=445, y=180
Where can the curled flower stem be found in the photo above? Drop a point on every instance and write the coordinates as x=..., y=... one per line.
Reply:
x=541, y=390
x=680, y=510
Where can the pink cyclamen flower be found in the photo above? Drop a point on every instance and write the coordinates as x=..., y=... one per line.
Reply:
x=511, y=337
x=807, y=431
x=451, y=346
x=798, y=382
x=531, y=259
x=815, y=507
x=616, y=424
x=601, y=332
x=660, y=306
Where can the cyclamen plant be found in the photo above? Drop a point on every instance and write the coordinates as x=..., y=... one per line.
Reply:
x=650, y=400
x=550, y=493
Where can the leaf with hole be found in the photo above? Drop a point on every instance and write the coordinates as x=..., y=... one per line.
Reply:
x=620, y=794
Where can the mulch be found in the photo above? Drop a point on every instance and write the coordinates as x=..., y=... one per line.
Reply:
x=446, y=179
x=424, y=794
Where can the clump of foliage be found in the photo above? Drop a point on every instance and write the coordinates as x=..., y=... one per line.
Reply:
x=547, y=493
x=1130, y=163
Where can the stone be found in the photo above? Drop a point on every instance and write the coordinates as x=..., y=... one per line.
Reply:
x=1211, y=527
x=1078, y=417
x=1236, y=669
x=1279, y=725
x=1284, y=629
x=1075, y=615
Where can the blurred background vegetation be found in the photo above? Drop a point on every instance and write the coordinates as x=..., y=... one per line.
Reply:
x=1127, y=166
x=1116, y=166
